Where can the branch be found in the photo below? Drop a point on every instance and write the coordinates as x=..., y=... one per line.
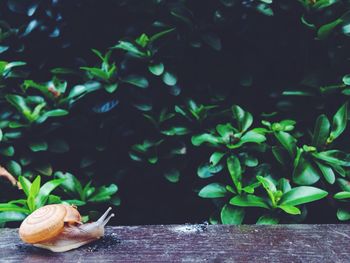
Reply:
x=4, y=173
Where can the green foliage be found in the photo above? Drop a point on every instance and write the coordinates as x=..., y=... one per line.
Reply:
x=86, y=194
x=262, y=189
x=159, y=102
x=36, y=196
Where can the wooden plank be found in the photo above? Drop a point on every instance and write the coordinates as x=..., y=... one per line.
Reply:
x=196, y=243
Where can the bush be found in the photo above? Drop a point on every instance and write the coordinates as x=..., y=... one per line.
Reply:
x=242, y=102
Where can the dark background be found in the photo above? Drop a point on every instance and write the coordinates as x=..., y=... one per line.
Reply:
x=275, y=53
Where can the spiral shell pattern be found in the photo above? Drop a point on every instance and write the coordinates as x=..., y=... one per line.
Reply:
x=43, y=224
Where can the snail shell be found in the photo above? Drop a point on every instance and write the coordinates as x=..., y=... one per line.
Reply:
x=58, y=228
x=47, y=222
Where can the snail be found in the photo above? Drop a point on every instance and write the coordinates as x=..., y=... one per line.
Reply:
x=58, y=228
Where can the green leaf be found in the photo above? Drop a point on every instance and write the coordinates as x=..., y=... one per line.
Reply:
x=137, y=81
x=130, y=47
x=301, y=195
x=280, y=154
x=153, y=159
x=204, y=138
x=70, y=184
x=64, y=71
x=346, y=79
x=225, y=130
x=160, y=34
x=25, y=184
x=7, y=151
x=80, y=91
x=207, y=170
x=14, y=64
x=334, y=157
x=305, y=173
x=110, y=88
x=19, y=103
x=338, y=169
x=35, y=187
x=48, y=89
x=104, y=193
x=251, y=188
x=327, y=172
x=231, y=215
x=88, y=191
x=213, y=190
x=74, y=202
x=182, y=14
x=250, y=160
x=53, y=199
x=142, y=40
x=98, y=53
x=169, y=78
x=173, y=175
x=252, y=136
x=38, y=146
x=287, y=141
x=321, y=4
x=325, y=30
x=45, y=191
x=215, y=158
x=156, y=69
x=290, y=209
x=44, y=169
x=249, y=201
x=52, y=113
x=340, y=120
x=346, y=91
x=18, y=201
x=267, y=184
x=12, y=207
x=244, y=119
x=11, y=216
x=343, y=214
x=264, y=9
x=31, y=203
x=115, y=200
x=267, y=220
x=283, y=185
x=176, y=131
x=14, y=168
x=342, y=195
x=97, y=72
x=309, y=25
x=321, y=132
x=235, y=170
x=344, y=184
x=270, y=188
x=297, y=93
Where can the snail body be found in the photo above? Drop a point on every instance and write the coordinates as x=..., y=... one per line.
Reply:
x=58, y=228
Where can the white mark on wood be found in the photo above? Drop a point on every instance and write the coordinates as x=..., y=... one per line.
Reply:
x=184, y=229
x=342, y=234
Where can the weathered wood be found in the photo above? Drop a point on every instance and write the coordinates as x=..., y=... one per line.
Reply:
x=196, y=243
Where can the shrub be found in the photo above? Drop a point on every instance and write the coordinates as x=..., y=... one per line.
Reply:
x=242, y=102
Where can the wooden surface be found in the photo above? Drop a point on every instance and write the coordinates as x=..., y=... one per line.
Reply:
x=196, y=243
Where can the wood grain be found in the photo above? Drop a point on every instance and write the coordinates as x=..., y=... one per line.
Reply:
x=196, y=243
